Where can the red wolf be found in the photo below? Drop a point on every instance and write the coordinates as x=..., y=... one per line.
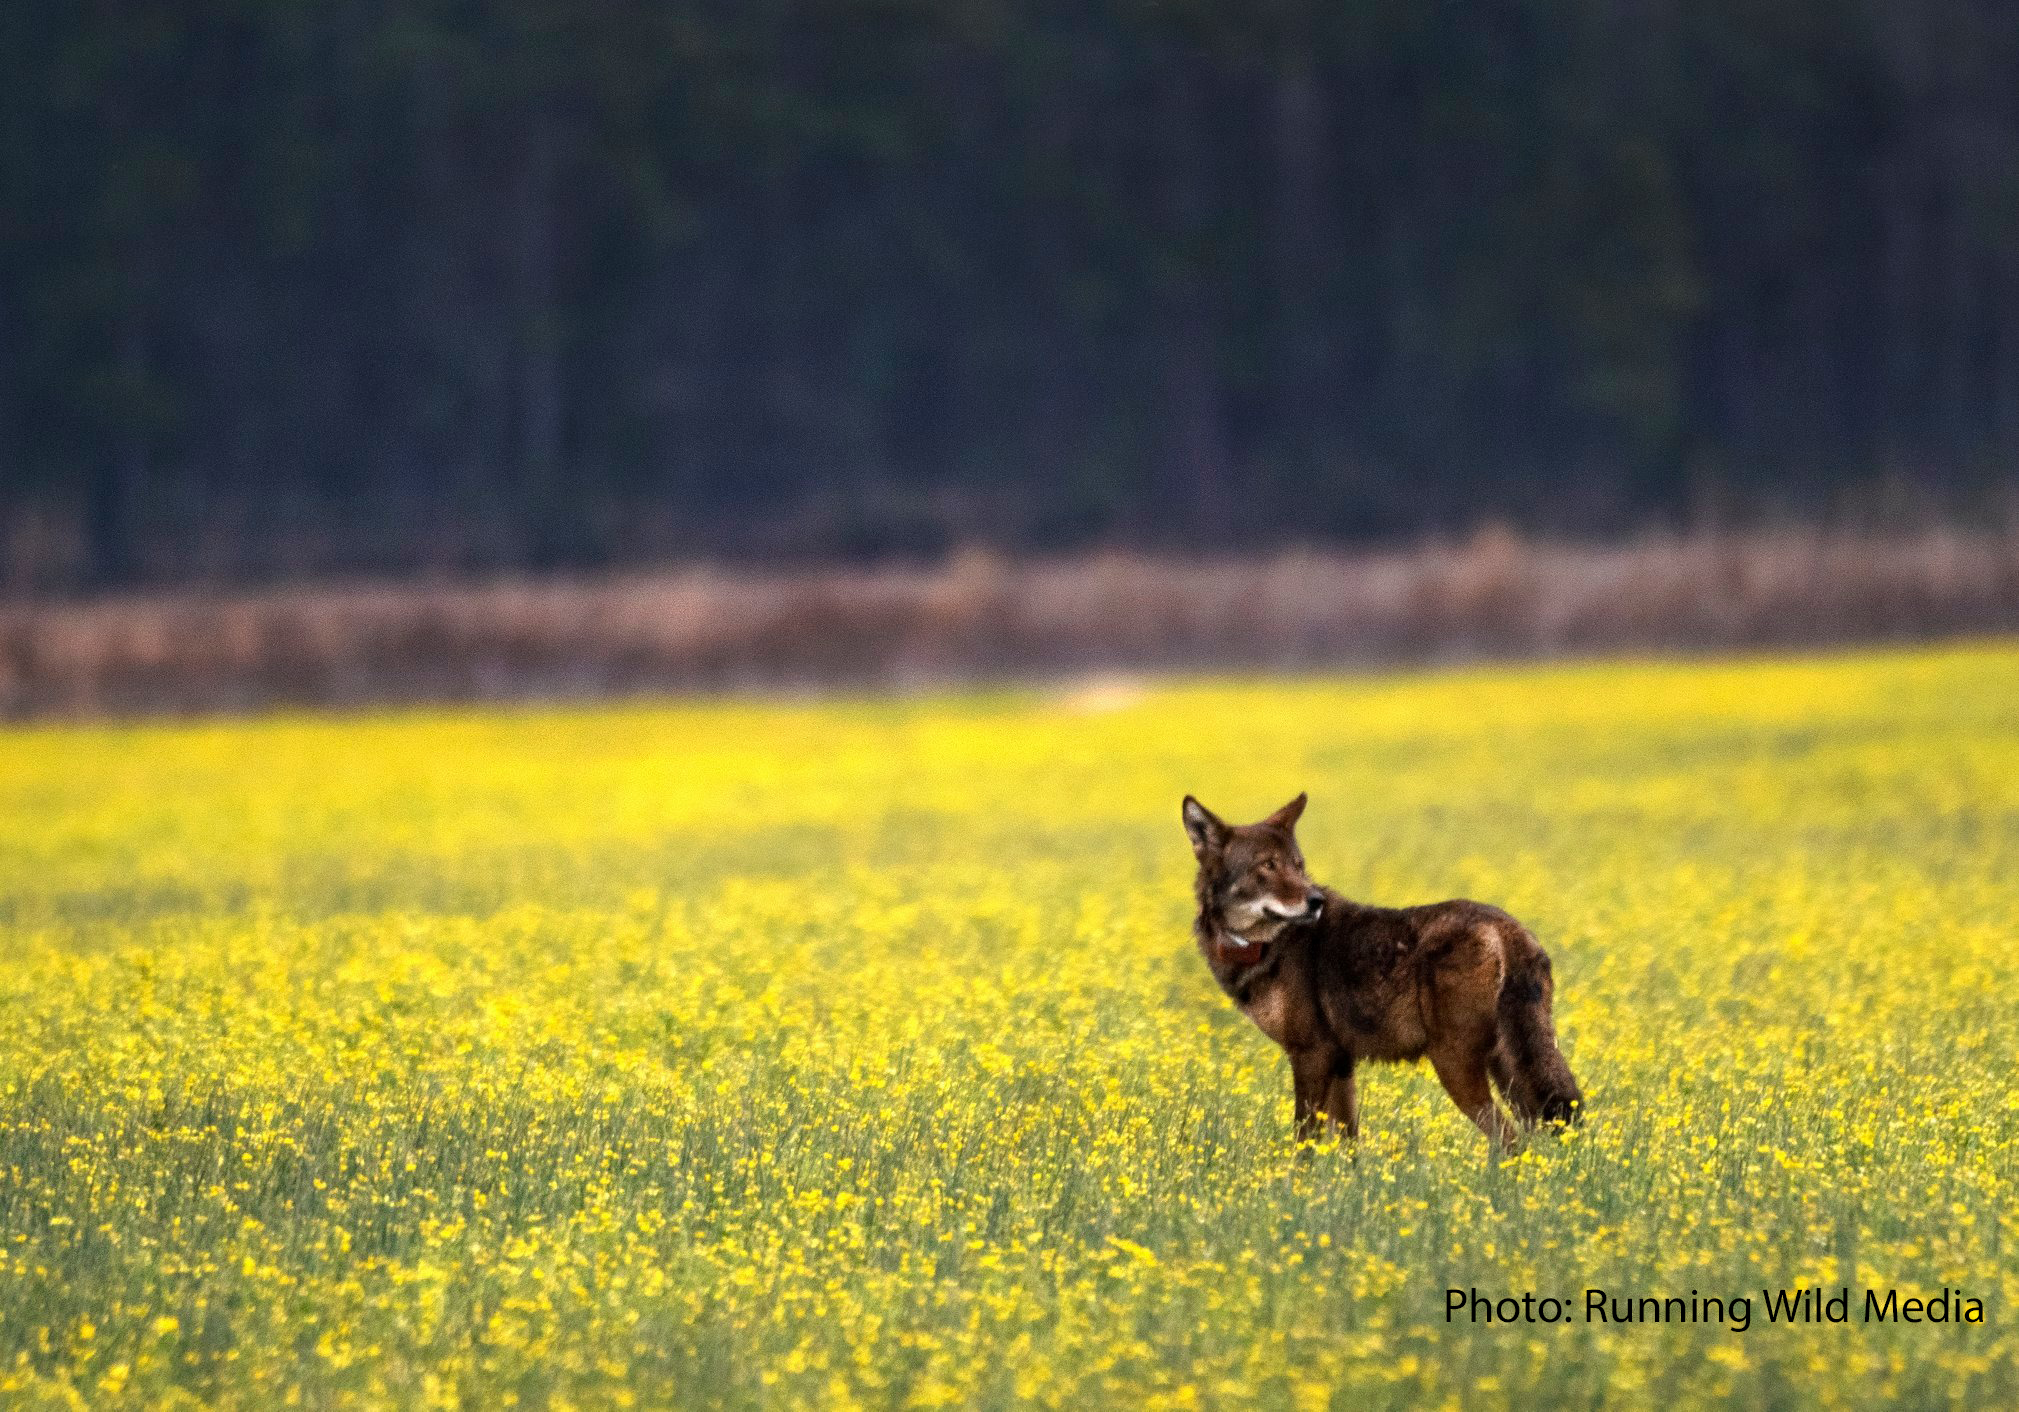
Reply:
x=1334, y=981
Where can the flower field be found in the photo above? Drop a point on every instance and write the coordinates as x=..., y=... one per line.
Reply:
x=857, y=1053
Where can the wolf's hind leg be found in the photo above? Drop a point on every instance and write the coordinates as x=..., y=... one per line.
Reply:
x=1461, y=1068
x=1507, y=1078
x=1501, y=1068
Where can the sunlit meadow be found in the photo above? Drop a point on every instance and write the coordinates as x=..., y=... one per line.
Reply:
x=857, y=1053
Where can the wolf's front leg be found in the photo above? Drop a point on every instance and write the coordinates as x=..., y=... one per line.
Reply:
x=1342, y=1097
x=1311, y=1072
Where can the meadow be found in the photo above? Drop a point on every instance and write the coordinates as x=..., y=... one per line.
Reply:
x=856, y=1053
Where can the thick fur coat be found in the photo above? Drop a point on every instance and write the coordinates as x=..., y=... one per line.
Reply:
x=1336, y=982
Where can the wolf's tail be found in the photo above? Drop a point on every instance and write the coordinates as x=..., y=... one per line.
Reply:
x=1531, y=1071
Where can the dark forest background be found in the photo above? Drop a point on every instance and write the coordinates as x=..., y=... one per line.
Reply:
x=293, y=287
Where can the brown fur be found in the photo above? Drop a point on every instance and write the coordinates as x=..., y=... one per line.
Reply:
x=1334, y=982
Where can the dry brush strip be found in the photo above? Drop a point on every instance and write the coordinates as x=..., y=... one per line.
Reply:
x=981, y=617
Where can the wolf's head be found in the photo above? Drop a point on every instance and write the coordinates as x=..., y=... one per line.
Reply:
x=1252, y=884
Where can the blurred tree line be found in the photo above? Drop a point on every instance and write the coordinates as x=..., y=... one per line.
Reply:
x=385, y=285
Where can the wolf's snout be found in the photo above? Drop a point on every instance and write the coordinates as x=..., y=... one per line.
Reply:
x=1314, y=902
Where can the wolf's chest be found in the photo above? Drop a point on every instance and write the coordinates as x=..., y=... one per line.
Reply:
x=1270, y=1009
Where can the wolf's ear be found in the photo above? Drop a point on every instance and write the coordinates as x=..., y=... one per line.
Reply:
x=1204, y=827
x=1286, y=818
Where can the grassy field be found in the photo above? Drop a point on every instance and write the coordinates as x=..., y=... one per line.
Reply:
x=858, y=1053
